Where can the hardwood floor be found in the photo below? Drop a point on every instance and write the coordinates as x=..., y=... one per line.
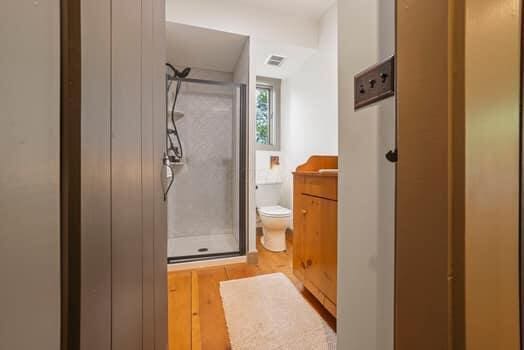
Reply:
x=196, y=317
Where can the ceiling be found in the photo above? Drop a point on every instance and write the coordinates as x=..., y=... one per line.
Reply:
x=295, y=57
x=202, y=48
x=301, y=8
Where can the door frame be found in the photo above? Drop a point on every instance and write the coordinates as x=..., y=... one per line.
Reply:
x=521, y=183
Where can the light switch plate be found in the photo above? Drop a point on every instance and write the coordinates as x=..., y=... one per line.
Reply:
x=375, y=83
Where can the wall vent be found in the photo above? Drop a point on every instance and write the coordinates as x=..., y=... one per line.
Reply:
x=275, y=60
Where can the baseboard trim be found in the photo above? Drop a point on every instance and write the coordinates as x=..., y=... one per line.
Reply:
x=252, y=258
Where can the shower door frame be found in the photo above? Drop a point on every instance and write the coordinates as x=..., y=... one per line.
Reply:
x=242, y=179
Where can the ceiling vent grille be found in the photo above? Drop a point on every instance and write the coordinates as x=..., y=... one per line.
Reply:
x=275, y=60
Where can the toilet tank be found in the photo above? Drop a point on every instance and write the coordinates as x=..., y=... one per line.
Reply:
x=267, y=195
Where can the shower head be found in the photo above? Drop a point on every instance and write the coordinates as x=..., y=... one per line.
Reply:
x=174, y=73
x=182, y=74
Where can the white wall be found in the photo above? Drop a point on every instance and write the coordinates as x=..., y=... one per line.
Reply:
x=366, y=183
x=29, y=176
x=248, y=19
x=309, y=123
x=264, y=173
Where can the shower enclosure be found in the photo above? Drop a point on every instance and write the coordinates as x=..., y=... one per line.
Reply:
x=206, y=154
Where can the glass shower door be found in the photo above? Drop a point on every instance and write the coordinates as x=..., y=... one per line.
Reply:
x=206, y=205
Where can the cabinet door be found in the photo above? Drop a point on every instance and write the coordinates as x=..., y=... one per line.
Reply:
x=328, y=224
x=312, y=240
x=320, y=237
x=299, y=214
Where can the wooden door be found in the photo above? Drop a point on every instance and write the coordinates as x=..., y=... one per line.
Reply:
x=124, y=236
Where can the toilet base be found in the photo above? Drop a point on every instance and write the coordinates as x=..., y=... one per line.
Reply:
x=274, y=240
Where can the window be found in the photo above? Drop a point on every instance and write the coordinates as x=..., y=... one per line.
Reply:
x=264, y=113
x=267, y=116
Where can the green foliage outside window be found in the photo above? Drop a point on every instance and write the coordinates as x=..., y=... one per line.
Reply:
x=262, y=117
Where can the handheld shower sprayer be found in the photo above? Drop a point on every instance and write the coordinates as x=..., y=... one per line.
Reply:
x=176, y=76
x=174, y=152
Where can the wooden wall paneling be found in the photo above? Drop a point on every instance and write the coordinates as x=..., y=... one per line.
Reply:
x=126, y=175
x=95, y=322
x=160, y=207
x=423, y=184
x=70, y=172
x=148, y=180
x=124, y=238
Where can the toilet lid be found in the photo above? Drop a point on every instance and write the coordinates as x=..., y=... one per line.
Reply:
x=275, y=212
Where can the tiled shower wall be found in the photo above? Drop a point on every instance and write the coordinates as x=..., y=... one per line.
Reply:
x=202, y=196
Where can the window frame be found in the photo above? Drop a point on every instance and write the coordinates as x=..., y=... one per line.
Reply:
x=274, y=86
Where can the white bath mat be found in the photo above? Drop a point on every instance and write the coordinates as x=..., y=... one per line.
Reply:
x=267, y=312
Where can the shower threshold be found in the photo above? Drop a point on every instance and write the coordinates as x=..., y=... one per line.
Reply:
x=190, y=248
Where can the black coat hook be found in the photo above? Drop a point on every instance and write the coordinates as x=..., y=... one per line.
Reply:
x=392, y=156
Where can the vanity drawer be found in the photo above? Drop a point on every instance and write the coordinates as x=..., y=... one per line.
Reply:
x=321, y=186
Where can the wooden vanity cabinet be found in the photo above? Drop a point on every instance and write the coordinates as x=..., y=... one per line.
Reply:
x=315, y=228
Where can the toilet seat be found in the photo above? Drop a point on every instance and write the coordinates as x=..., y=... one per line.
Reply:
x=275, y=211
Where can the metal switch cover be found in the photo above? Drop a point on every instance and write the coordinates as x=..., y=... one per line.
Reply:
x=375, y=83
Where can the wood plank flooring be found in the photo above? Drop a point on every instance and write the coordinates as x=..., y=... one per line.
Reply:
x=196, y=316
x=179, y=305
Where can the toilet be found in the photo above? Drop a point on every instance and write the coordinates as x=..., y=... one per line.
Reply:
x=275, y=219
